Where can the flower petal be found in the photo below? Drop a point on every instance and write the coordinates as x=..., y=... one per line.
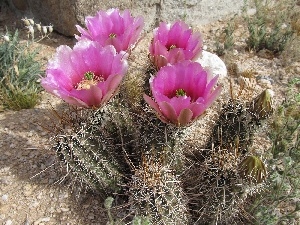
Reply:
x=155, y=106
x=66, y=73
x=168, y=111
x=91, y=97
x=112, y=27
x=175, y=43
x=176, y=93
x=185, y=117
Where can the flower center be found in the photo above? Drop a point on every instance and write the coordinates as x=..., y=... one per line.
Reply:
x=112, y=35
x=171, y=47
x=180, y=92
x=89, y=79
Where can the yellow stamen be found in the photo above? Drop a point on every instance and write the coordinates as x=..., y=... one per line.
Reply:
x=171, y=47
x=112, y=35
x=180, y=92
x=89, y=80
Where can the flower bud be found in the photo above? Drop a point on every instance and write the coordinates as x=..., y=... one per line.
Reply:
x=108, y=202
x=26, y=21
x=44, y=29
x=253, y=168
x=262, y=105
x=31, y=21
x=31, y=30
x=50, y=28
x=38, y=27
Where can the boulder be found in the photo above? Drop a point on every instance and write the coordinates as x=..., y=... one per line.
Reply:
x=65, y=14
x=214, y=63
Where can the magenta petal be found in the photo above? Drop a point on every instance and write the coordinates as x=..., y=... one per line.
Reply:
x=66, y=73
x=117, y=21
x=185, y=117
x=72, y=100
x=213, y=96
x=62, y=60
x=92, y=97
x=197, y=109
x=182, y=108
x=56, y=78
x=161, y=33
x=160, y=61
x=176, y=55
x=116, y=42
x=112, y=27
x=160, y=49
x=155, y=106
x=175, y=42
x=180, y=103
x=112, y=84
x=84, y=33
x=168, y=111
x=209, y=86
x=184, y=39
x=195, y=42
x=175, y=33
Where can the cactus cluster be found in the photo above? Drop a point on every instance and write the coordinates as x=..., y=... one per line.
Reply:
x=115, y=150
x=120, y=148
x=222, y=175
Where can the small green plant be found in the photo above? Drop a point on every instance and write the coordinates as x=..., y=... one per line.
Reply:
x=225, y=40
x=19, y=72
x=284, y=161
x=270, y=27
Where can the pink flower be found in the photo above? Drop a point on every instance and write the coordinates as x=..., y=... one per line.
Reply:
x=87, y=75
x=112, y=28
x=182, y=92
x=174, y=43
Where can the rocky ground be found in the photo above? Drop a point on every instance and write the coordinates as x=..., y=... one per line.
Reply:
x=33, y=188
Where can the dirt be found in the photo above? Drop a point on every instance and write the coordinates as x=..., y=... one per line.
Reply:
x=33, y=188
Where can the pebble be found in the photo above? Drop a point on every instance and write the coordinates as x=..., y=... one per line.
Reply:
x=4, y=198
x=28, y=189
x=34, y=204
x=297, y=69
x=41, y=220
x=265, y=78
x=8, y=222
x=251, y=12
x=265, y=83
x=64, y=209
x=4, y=169
x=5, y=181
x=63, y=195
x=91, y=216
x=8, y=153
x=50, y=161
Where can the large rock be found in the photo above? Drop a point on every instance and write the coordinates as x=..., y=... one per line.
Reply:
x=215, y=64
x=65, y=14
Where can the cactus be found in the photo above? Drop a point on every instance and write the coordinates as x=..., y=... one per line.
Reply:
x=156, y=193
x=87, y=150
x=224, y=173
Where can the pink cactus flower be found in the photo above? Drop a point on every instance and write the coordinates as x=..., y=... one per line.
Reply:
x=174, y=43
x=112, y=28
x=182, y=92
x=87, y=75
